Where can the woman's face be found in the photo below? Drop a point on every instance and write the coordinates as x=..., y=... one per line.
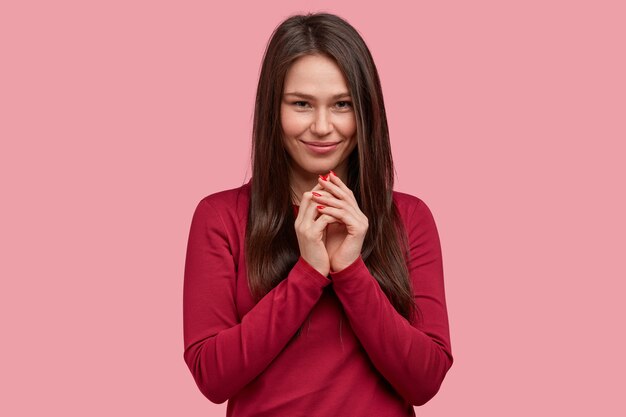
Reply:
x=317, y=108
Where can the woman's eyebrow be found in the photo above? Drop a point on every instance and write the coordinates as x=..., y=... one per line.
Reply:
x=297, y=93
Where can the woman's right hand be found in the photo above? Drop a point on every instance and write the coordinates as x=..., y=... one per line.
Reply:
x=311, y=232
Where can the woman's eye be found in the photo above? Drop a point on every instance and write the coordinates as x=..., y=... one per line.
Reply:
x=340, y=104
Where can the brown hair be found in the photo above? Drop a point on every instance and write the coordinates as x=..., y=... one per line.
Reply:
x=271, y=244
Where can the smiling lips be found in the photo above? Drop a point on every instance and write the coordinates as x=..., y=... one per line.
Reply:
x=321, y=147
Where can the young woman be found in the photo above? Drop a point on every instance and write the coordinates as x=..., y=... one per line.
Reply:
x=315, y=289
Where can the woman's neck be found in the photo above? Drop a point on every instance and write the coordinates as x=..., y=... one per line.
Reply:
x=305, y=181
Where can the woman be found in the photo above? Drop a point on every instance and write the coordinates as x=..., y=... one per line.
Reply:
x=315, y=289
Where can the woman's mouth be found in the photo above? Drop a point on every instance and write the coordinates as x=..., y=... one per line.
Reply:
x=320, y=147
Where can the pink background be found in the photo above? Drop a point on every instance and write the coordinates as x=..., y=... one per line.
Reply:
x=117, y=117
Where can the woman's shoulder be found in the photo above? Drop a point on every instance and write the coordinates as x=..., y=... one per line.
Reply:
x=412, y=208
x=228, y=199
x=406, y=201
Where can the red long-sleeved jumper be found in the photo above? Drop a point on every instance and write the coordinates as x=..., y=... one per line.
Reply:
x=356, y=355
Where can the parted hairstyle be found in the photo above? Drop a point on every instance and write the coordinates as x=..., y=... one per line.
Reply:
x=271, y=247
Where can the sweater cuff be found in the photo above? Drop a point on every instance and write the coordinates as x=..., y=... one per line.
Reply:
x=311, y=273
x=356, y=268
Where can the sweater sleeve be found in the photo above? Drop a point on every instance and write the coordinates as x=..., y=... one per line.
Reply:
x=223, y=353
x=413, y=358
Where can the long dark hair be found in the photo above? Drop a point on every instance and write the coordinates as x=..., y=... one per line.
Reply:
x=271, y=244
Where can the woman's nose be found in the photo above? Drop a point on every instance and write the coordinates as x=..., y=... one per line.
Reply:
x=322, y=124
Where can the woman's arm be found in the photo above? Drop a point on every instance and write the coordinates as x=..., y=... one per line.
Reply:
x=222, y=353
x=413, y=358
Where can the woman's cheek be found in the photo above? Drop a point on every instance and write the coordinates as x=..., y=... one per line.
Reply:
x=292, y=123
x=346, y=127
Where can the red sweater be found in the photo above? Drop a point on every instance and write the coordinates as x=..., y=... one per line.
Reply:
x=355, y=356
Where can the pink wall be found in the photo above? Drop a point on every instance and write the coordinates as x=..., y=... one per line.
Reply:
x=116, y=117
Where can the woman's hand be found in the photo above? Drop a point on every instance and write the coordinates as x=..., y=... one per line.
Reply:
x=344, y=240
x=311, y=231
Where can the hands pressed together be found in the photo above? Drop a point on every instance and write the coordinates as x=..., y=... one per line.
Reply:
x=330, y=225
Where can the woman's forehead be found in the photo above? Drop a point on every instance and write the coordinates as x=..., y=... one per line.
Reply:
x=315, y=76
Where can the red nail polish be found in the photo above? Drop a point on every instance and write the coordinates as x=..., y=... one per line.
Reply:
x=333, y=173
x=320, y=207
x=316, y=194
x=324, y=177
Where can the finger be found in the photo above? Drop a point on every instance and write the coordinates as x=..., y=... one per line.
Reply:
x=341, y=192
x=322, y=221
x=333, y=178
x=304, y=210
x=317, y=187
x=312, y=203
x=325, y=198
x=308, y=210
x=338, y=214
x=336, y=180
x=342, y=201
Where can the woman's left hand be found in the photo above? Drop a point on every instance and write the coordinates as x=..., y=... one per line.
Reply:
x=343, y=241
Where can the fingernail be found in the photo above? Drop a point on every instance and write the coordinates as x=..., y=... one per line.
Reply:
x=333, y=173
x=316, y=194
x=324, y=177
x=320, y=207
